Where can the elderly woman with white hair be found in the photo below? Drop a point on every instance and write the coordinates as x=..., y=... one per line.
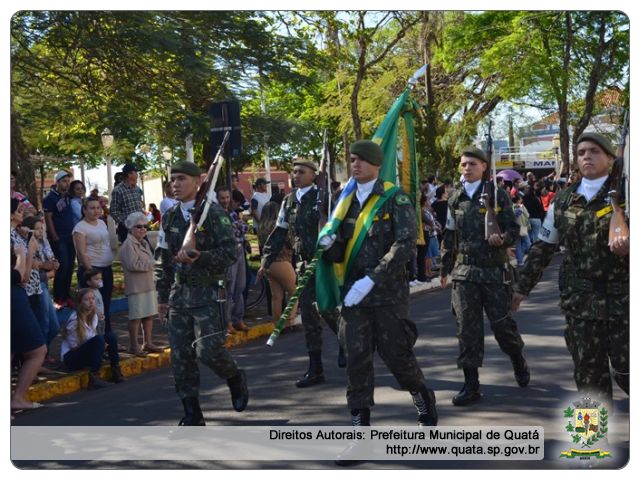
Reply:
x=139, y=286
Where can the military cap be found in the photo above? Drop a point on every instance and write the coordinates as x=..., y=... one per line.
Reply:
x=601, y=140
x=475, y=153
x=367, y=150
x=188, y=168
x=306, y=163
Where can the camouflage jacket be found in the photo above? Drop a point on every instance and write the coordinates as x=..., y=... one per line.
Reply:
x=194, y=285
x=594, y=283
x=297, y=225
x=390, y=243
x=466, y=255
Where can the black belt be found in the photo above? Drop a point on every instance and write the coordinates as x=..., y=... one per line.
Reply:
x=477, y=262
x=598, y=286
x=198, y=280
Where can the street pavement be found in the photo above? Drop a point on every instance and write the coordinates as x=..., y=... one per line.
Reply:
x=149, y=399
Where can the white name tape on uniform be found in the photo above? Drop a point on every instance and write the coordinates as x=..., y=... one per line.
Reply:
x=162, y=242
x=548, y=231
x=281, y=221
x=451, y=222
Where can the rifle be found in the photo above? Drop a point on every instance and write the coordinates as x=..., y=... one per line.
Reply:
x=323, y=183
x=204, y=198
x=490, y=219
x=618, y=225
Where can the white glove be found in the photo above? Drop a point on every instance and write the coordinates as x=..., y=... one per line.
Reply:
x=326, y=241
x=358, y=291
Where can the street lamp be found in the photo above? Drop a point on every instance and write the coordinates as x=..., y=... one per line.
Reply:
x=556, y=150
x=107, y=142
x=167, y=154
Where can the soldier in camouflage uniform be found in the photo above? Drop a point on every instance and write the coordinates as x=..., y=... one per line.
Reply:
x=375, y=312
x=481, y=274
x=594, y=276
x=188, y=287
x=297, y=225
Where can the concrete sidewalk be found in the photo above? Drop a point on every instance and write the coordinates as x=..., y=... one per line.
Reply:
x=53, y=383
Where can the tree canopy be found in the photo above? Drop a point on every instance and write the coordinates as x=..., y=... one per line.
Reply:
x=150, y=76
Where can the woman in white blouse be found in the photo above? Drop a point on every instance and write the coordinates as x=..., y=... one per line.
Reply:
x=91, y=240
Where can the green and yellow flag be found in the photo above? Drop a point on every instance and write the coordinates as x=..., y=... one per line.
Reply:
x=331, y=276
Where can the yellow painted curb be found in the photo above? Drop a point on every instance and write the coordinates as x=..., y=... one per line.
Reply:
x=46, y=390
x=257, y=331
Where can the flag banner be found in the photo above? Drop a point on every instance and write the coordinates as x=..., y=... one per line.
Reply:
x=331, y=276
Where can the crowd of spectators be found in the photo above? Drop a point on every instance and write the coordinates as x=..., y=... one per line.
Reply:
x=75, y=233
x=75, y=227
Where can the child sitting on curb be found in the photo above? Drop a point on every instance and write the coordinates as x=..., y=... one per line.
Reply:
x=83, y=347
x=93, y=279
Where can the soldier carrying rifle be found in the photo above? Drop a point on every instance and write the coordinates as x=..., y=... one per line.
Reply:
x=190, y=283
x=297, y=225
x=474, y=252
x=594, y=275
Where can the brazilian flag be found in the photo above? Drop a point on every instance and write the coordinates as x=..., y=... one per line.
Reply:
x=331, y=276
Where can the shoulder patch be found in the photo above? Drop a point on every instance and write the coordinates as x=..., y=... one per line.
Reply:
x=224, y=220
x=403, y=199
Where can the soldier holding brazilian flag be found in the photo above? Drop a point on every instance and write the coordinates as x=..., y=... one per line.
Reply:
x=368, y=240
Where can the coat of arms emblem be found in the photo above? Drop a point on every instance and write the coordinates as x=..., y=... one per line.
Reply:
x=587, y=423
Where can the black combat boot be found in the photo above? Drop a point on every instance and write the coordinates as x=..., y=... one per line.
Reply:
x=342, y=358
x=622, y=379
x=314, y=374
x=470, y=390
x=192, y=413
x=95, y=382
x=425, y=402
x=360, y=417
x=116, y=374
x=239, y=391
x=520, y=370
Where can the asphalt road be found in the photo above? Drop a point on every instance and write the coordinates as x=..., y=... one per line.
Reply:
x=150, y=399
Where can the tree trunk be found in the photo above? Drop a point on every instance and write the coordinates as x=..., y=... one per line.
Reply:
x=20, y=163
x=594, y=81
x=432, y=151
x=355, y=115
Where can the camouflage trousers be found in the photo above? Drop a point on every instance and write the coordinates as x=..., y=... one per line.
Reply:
x=187, y=325
x=387, y=329
x=469, y=300
x=594, y=344
x=311, y=318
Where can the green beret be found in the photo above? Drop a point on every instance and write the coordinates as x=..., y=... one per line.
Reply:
x=475, y=153
x=306, y=163
x=601, y=140
x=367, y=150
x=188, y=168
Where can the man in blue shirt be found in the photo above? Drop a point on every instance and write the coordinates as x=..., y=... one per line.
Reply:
x=58, y=216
